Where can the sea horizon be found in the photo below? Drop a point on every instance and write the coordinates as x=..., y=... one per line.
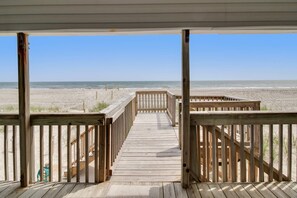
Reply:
x=155, y=84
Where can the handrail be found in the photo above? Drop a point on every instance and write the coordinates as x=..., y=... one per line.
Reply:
x=227, y=104
x=242, y=117
x=211, y=98
x=67, y=119
x=9, y=119
x=119, y=105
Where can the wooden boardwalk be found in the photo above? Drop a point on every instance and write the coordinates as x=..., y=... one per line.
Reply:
x=150, y=152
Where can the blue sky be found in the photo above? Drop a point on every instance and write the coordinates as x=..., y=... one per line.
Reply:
x=153, y=57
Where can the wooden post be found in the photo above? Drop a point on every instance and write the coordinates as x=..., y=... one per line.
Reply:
x=173, y=118
x=108, y=147
x=24, y=106
x=185, y=179
x=102, y=154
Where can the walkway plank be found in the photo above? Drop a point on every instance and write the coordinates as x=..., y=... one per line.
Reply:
x=168, y=189
x=149, y=152
x=53, y=191
x=228, y=190
x=216, y=191
x=264, y=190
x=152, y=189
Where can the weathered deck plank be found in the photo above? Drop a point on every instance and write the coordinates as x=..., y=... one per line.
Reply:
x=151, y=189
x=152, y=141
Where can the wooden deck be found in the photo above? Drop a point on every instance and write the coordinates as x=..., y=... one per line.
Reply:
x=150, y=189
x=148, y=165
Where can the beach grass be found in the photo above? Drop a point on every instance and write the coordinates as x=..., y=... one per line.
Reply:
x=264, y=108
x=99, y=106
x=44, y=109
x=9, y=108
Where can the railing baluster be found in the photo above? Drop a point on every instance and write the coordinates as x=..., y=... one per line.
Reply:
x=87, y=154
x=224, y=157
x=233, y=157
x=102, y=154
x=207, y=155
x=32, y=178
x=14, y=151
x=198, y=151
x=261, y=168
x=270, y=152
x=252, y=161
x=193, y=155
x=69, y=166
x=280, y=153
x=59, y=153
x=242, y=156
x=78, y=153
x=289, y=171
x=6, y=170
x=41, y=153
x=204, y=151
x=50, y=156
x=214, y=155
x=97, y=154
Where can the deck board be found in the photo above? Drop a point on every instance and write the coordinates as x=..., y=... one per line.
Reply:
x=152, y=189
x=152, y=141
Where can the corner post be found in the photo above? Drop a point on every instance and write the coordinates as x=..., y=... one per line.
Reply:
x=185, y=109
x=24, y=106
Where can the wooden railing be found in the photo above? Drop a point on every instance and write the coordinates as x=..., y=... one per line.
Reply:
x=151, y=101
x=209, y=98
x=218, y=105
x=157, y=101
x=120, y=117
x=78, y=148
x=171, y=107
x=9, y=129
x=61, y=146
x=54, y=128
x=219, y=151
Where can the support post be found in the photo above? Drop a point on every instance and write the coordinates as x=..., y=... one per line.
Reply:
x=185, y=109
x=102, y=153
x=24, y=106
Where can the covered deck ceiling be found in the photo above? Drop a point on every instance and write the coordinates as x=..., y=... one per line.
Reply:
x=147, y=16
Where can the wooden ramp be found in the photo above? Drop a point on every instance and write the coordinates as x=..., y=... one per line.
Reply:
x=150, y=153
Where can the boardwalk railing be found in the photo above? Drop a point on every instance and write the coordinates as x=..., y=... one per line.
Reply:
x=55, y=128
x=67, y=143
x=120, y=118
x=157, y=101
x=209, y=98
x=219, y=151
x=151, y=101
x=171, y=107
x=216, y=103
x=78, y=148
x=9, y=130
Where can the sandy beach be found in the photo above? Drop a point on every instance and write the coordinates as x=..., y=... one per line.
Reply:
x=71, y=100
x=84, y=100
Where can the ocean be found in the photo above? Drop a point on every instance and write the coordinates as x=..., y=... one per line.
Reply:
x=157, y=84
